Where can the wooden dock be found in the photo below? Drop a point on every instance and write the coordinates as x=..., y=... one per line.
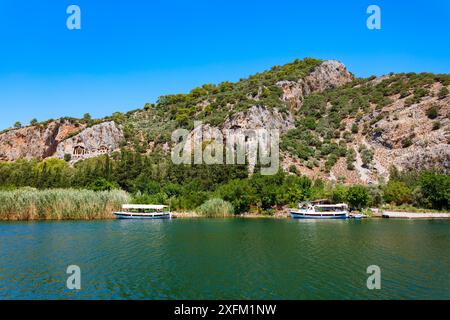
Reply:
x=414, y=215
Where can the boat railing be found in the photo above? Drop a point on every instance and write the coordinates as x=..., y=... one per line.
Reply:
x=144, y=207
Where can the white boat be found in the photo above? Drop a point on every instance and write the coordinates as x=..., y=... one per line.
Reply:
x=143, y=211
x=357, y=216
x=308, y=210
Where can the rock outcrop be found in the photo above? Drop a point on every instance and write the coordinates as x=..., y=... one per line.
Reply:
x=329, y=74
x=258, y=117
x=99, y=139
x=35, y=142
x=396, y=132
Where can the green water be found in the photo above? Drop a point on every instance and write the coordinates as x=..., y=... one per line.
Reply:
x=225, y=259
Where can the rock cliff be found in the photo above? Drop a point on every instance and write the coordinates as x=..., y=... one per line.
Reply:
x=35, y=142
x=99, y=139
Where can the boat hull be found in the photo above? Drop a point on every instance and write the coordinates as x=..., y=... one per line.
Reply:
x=121, y=215
x=301, y=215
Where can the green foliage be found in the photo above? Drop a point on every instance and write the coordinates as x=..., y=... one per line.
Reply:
x=238, y=193
x=228, y=98
x=443, y=93
x=407, y=142
x=56, y=204
x=426, y=189
x=17, y=125
x=366, y=155
x=350, y=159
x=339, y=194
x=397, y=192
x=215, y=208
x=87, y=117
x=432, y=112
x=435, y=189
x=358, y=197
x=436, y=125
x=33, y=121
x=101, y=184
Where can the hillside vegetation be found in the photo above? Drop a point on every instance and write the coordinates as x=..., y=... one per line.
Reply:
x=369, y=142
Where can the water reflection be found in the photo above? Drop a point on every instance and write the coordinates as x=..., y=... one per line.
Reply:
x=225, y=259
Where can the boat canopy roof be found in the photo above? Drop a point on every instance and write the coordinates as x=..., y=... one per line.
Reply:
x=313, y=203
x=144, y=206
x=331, y=205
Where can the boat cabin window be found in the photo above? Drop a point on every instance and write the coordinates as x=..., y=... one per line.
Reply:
x=142, y=210
x=329, y=209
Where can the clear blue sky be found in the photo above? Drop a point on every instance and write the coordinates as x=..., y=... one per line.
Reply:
x=130, y=52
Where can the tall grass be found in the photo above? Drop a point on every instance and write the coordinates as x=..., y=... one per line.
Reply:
x=60, y=204
x=215, y=208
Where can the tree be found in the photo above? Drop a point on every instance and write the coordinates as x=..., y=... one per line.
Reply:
x=397, y=192
x=238, y=193
x=33, y=121
x=101, y=184
x=87, y=117
x=358, y=197
x=435, y=188
x=17, y=125
x=339, y=194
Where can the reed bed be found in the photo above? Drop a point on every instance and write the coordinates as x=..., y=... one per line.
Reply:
x=215, y=208
x=60, y=204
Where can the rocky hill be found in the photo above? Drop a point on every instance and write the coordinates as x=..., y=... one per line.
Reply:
x=333, y=125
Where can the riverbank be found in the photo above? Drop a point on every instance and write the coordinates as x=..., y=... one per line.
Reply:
x=60, y=204
x=72, y=204
x=415, y=215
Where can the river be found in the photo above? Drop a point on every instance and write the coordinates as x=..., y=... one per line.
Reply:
x=225, y=259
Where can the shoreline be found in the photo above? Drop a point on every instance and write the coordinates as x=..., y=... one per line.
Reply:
x=379, y=214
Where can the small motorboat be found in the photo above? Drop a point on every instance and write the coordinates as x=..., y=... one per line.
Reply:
x=143, y=211
x=357, y=216
x=308, y=210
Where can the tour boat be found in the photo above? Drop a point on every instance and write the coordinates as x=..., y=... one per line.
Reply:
x=309, y=210
x=143, y=211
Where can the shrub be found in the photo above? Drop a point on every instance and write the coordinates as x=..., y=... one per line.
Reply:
x=366, y=156
x=443, y=93
x=339, y=194
x=358, y=197
x=432, y=112
x=435, y=188
x=436, y=125
x=397, y=192
x=215, y=208
x=351, y=159
x=407, y=142
x=101, y=184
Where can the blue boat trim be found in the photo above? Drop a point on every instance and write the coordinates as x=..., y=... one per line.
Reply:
x=142, y=216
x=296, y=215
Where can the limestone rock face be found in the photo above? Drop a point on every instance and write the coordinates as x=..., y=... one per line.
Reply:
x=260, y=117
x=99, y=139
x=35, y=142
x=329, y=74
